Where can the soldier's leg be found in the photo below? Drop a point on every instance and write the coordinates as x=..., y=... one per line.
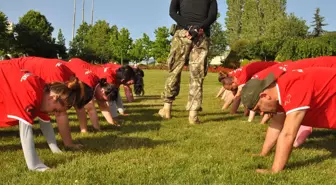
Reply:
x=180, y=49
x=198, y=69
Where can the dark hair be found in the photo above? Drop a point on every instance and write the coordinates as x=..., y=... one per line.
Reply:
x=6, y=57
x=125, y=73
x=72, y=93
x=111, y=91
x=221, y=76
x=138, y=82
x=88, y=95
x=227, y=80
x=139, y=72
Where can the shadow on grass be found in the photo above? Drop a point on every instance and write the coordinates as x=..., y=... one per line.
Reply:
x=139, y=106
x=322, y=133
x=305, y=163
x=17, y=146
x=202, y=114
x=146, y=97
x=130, y=128
x=221, y=119
x=16, y=133
x=99, y=144
x=325, y=139
x=111, y=143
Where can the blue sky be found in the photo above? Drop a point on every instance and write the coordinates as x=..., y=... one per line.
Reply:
x=139, y=16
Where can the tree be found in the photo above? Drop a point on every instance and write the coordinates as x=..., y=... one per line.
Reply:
x=233, y=19
x=5, y=34
x=147, y=45
x=137, y=52
x=60, y=45
x=278, y=32
x=98, y=40
x=317, y=24
x=287, y=27
x=123, y=44
x=79, y=45
x=251, y=21
x=217, y=39
x=270, y=11
x=34, y=35
x=114, y=33
x=60, y=38
x=161, y=45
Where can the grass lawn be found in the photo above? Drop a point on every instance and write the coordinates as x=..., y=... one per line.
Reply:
x=149, y=150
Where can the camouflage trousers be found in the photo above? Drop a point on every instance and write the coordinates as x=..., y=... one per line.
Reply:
x=196, y=51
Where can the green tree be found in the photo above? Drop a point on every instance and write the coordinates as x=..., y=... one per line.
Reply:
x=137, y=51
x=278, y=32
x=113, y=39
x=123, y=45
x=98, y=40
x=5, y=34
x=217, y=40
x=60, y=38
x=233, y=19
x=161, y=46
x=35, y=35
x=287, y=27
x=318, y=23
x=252, y=23
x=270, y=11
x=79, y=45
x=147, y=46
x=60, y=45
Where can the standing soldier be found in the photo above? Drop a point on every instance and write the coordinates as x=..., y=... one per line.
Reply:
x=190, y=42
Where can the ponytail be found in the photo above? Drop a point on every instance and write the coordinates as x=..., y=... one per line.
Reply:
x=76, y=84
x=72, y=93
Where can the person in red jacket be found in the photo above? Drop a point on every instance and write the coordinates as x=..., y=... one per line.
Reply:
x=52, y=70
x=24, y=96
x=281, y=68
x=236, y=79
x=303, y=99
x=114, y=75
x=103, y=92
x=127, y=88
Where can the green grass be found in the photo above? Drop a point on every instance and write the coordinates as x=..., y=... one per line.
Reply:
x=148, y=150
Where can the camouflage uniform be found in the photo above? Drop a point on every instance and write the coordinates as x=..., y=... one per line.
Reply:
x=183, y=49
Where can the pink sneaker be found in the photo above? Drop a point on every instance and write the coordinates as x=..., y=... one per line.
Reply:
x=302, y=135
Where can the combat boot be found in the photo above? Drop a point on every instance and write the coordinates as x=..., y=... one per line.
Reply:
x=165, y=112
x=193, y=117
